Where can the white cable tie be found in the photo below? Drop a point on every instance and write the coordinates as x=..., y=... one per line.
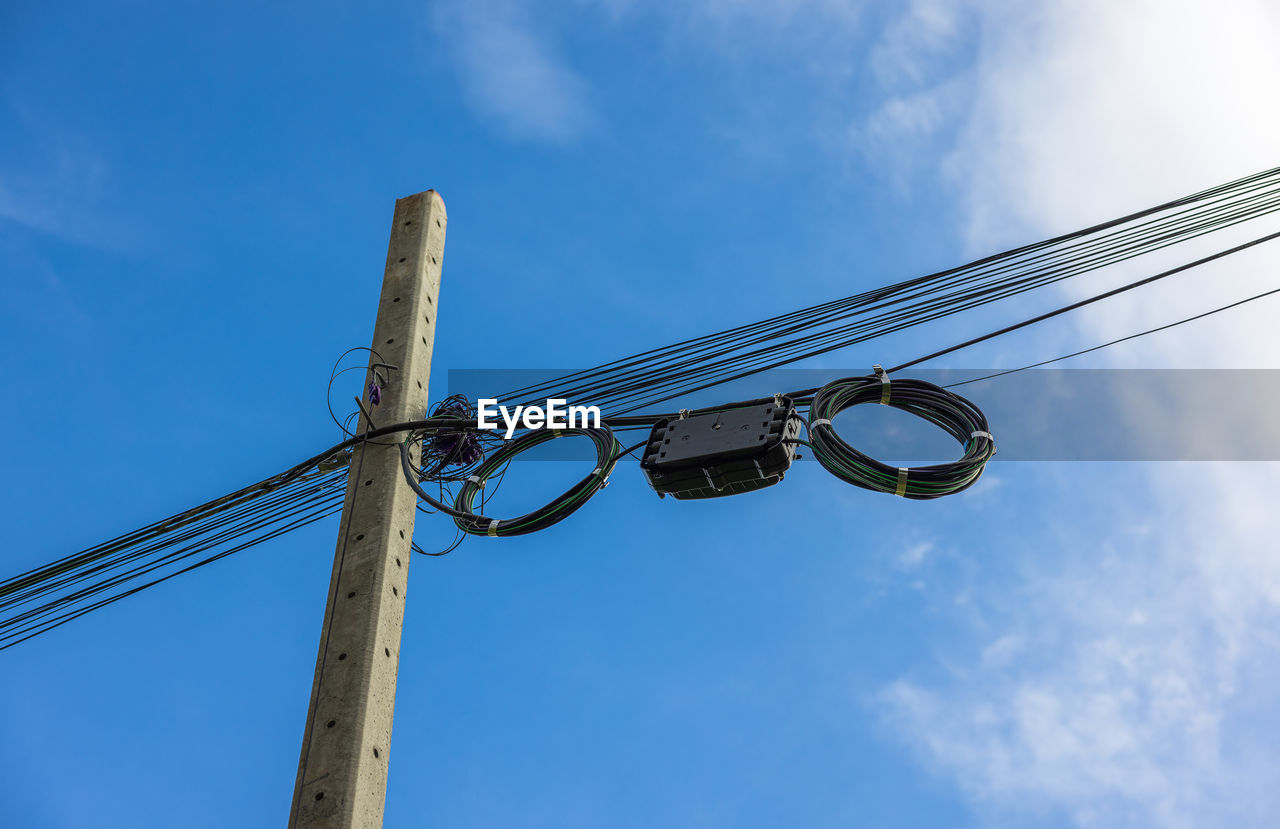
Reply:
x=902, y=482
x=822, y=421
x=493, y=528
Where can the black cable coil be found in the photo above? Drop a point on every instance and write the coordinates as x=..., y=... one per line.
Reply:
x=960, y=418
x=608, y=451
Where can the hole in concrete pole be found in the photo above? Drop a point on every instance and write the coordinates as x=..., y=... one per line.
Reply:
x=406, y=224
x=402, y=533
x=351, y=595
x=397, y=562
x=341, y=656
x=375, y=752
x=424, y=340
x=395, y=592
x=366, y=483
x=387, y=651
x=330, y=723
x=390, y=341
x=402, y=258
x=429, y=302
x=397, y=299
x=360, y=537
x=319, y=795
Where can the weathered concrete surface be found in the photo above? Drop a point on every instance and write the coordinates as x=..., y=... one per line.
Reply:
x=342, y=773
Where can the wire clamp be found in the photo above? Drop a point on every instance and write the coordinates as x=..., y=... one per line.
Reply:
x=901, y=491
x=822, y=421
x=380, y=380
x=492, y=532
x=477, y=480
x=884, y=383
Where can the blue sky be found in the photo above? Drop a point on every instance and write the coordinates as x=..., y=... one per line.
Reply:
x=194, y=205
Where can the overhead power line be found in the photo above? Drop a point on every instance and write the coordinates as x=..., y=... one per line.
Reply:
x=641, y=381
x=48, y=596
x=1116, y=341
x=1089, y=301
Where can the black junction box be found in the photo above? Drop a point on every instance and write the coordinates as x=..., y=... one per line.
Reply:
x=722, y=453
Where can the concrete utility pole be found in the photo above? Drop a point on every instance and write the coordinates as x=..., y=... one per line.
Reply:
x=342, y=774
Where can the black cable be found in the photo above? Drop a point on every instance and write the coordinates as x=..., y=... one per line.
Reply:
x=1113, y=342
x=957, y=416
x=34, y=608
x=1096, y=298
x=608, y=450
x=53, y=593
x=633, y=383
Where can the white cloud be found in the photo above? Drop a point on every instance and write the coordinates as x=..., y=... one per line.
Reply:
x=913, y=556
x=511, y=72
x=1002, y=650
x=1114, y=674
x=906, y=50
x=57, y=186
x=1117, y=690
x=1114, y=692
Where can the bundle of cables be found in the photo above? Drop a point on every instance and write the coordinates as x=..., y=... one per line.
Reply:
x=957, y=416
x=608, y=451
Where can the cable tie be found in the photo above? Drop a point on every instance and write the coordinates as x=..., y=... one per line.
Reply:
x=986, y=435
x=493, y=528
x=477, y=480
x=884, y=383
x=902, y=482
x=822, y=421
